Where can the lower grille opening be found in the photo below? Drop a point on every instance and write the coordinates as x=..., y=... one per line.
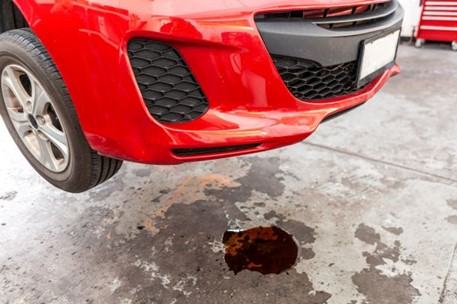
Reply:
x=307, y=80
x=210, y=150
x=168, y=87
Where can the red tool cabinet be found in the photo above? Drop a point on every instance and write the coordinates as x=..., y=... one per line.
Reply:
x=438, y=22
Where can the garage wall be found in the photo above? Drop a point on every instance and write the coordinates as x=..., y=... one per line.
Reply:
x=412, y=15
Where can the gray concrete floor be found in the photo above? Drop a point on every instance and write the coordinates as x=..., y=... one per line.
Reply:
x=371, y=197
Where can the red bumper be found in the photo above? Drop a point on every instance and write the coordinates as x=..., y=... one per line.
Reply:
x=249, y=102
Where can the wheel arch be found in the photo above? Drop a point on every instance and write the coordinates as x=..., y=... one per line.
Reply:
x=12, y=15
x=52, y=22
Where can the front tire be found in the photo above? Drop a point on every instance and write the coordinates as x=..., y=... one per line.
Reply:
x=40, y=116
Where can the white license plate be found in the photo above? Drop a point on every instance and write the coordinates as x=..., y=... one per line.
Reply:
x=376, y=55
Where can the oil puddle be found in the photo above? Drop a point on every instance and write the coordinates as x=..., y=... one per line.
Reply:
x=268, y=250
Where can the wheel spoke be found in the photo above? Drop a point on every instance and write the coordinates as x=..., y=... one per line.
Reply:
x=20, y=122
x=16, y=116
x=31, y=142
x=46, y=156
x=39, y=100
x=23, y=128
x=57, y=137
x=11, y=80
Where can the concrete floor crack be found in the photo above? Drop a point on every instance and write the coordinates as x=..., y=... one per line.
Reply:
x=446, y=279
x=357, y=155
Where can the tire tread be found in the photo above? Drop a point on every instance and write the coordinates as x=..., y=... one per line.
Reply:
x=102, y=167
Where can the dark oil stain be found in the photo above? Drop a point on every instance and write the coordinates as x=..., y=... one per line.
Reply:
x=268, y=250
x=381, y=289
x=273, y=214
x=452, y=219
x=192, y=267
x=372, y=283
x=101, y=193
x=409, y=261
x=8, y=196
x=367, y=234
x=452, y=203
x=305, y=236
x=190, y=264
x=143, y=172
x=394, y=230
x=260, y=178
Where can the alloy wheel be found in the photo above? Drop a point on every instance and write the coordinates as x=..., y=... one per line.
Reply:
x=35, y=118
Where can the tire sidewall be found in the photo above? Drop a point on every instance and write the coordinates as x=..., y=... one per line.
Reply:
x=13, y=53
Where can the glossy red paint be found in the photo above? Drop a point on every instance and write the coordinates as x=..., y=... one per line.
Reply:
x=249, y=103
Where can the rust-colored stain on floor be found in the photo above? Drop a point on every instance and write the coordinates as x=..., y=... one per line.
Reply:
x=268, y=250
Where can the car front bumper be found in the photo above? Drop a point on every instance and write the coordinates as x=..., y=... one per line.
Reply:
x=250, y=107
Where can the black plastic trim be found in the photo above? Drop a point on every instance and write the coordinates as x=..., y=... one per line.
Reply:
x=211, y=150
x=340, y=113
x=389, y=9
x=301, y=38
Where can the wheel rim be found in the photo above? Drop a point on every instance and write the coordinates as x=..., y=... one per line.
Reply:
x=34, y=117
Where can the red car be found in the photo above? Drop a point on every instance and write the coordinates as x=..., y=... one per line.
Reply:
x=87, y=84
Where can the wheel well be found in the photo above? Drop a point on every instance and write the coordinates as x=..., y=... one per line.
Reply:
x=10, y=16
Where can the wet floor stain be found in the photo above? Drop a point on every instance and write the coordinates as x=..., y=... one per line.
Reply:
x=268, y=250
x=452, y=203
x=394, y=230
x=8, y=196
x=452, y=219
x=377, y=286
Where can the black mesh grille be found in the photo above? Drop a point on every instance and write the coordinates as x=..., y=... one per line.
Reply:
x=308, y=81
x=169, y=89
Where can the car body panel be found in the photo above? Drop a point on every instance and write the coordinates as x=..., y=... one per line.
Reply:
x=249, y=102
